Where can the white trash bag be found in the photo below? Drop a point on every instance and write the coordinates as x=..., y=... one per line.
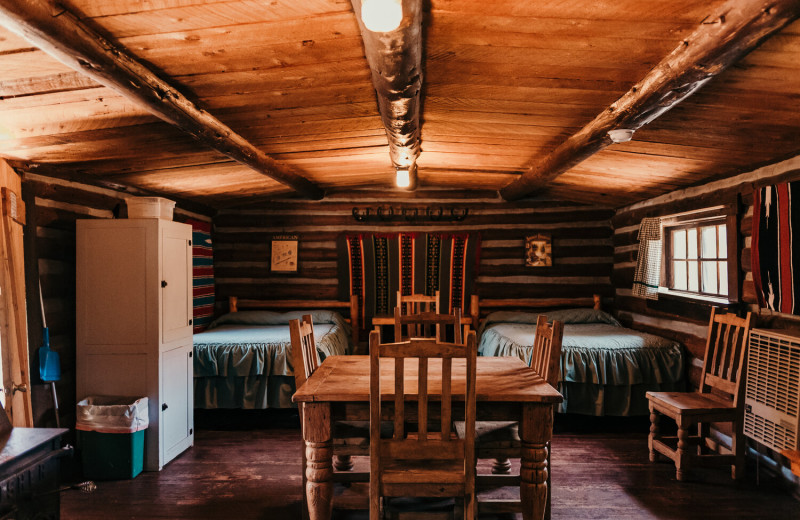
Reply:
x=111, y=414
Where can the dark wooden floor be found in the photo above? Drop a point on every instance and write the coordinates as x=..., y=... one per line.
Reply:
x=247, y=467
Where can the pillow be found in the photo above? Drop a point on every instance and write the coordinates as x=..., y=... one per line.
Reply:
x=258, y=317
x=577, y=315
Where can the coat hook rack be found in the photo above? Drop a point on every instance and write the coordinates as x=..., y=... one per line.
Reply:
x=410, y=214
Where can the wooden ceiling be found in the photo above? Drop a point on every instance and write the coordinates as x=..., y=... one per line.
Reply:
x=504, y=84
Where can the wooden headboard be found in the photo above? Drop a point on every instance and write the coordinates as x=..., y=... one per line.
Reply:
x=234, y=304
x=477, y=305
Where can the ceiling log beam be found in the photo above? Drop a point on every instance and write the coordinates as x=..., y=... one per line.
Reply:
x=67, y=174
x=736, y=28
x=395, y=59
x=64, y=36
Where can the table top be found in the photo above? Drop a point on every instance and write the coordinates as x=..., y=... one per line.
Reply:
x=346, y=379
x=388, y=319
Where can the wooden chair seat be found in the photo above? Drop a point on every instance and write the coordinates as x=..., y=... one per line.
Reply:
x=493, y=435
x=355, y=434
x=692, y=403
x=720, y=399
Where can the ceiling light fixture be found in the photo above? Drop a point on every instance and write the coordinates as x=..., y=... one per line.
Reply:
x=382, y=15
x=403, y=179
x=621, y=135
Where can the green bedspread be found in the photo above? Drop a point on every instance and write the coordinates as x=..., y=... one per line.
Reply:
x=606, y=369
x=244, y=359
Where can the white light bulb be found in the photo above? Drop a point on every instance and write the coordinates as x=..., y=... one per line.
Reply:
x=381, y=15
x=403, y=179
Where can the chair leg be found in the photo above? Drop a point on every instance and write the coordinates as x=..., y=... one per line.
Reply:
x=654, y=432
x=682, y=455
x=501, y=467
x=738, y=449
x=343, y=462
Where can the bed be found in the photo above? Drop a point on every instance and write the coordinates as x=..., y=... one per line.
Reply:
x=606, y=368
x=244, y=359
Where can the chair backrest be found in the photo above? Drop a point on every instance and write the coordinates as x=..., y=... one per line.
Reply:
x=443, y=444
x=547, y=349
x=305, y=357
x=428, y=325
x=726, y=350
x=416, y=303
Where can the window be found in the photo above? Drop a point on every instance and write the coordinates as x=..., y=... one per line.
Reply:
x=699, y=255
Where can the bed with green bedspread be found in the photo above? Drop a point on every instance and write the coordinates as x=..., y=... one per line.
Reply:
x=606, y=368
x=244, y=359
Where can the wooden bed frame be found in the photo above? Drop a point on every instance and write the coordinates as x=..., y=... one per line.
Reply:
x=234, y=304
x=477, y=305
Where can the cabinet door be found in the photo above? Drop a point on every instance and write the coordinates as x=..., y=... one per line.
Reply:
x=176, y=287
x=177, y=404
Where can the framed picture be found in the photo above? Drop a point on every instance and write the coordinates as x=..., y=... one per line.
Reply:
x=538, y=251
x=284, y=254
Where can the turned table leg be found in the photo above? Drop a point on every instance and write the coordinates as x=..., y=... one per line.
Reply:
x=319, y=460
x=343, y=462
x=501, y=466
x=535, y=431
x=654, y=433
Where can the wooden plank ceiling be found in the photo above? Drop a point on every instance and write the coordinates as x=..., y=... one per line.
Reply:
x=505, y=82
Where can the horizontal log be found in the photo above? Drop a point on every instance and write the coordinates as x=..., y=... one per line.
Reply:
x=496, y=234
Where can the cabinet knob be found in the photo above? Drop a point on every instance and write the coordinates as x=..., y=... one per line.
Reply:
x=163, y=283
x=164, y=407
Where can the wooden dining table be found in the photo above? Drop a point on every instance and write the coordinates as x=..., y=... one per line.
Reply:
x=507, y=390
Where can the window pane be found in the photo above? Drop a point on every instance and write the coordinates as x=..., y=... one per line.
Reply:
x=679, y=275
x=710, y=277
x=679, y=244
x=694, y=278
x=723, y=278
x=708, y=241
x=723, y=241
x=692, y=242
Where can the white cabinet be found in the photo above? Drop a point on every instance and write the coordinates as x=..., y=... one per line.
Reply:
x=134, y=323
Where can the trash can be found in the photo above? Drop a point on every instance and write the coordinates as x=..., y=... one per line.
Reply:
x=110, y=434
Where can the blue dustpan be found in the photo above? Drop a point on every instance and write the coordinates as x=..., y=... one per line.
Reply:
x=49, y=363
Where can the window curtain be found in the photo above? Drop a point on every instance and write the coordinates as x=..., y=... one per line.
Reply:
x=648, y=265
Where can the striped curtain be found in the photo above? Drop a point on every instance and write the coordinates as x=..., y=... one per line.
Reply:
x=773, y=247
x=648, y=264
x=202, y=274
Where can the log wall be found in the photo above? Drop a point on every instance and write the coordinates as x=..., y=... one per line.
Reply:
x=582, y=243
x=53, y=206
x=684, y=321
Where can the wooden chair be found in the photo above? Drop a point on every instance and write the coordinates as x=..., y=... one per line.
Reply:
x=416, y=304
x=349, y=437
x=719, y=399
x=427, y=325
x=426, y=463
x=500, y=440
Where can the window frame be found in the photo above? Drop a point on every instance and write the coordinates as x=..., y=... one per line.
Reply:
x=697, y=219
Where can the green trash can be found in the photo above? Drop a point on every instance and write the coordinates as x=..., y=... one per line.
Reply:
x=110, y=434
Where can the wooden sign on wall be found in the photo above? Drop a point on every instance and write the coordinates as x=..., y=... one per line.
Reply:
x=284, y=254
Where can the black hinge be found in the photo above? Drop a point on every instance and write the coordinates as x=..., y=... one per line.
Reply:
x=190, y=322
x=164, y=407
x=191, y=353
x=191, y=431
x=163, y=283
x=190, y=242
